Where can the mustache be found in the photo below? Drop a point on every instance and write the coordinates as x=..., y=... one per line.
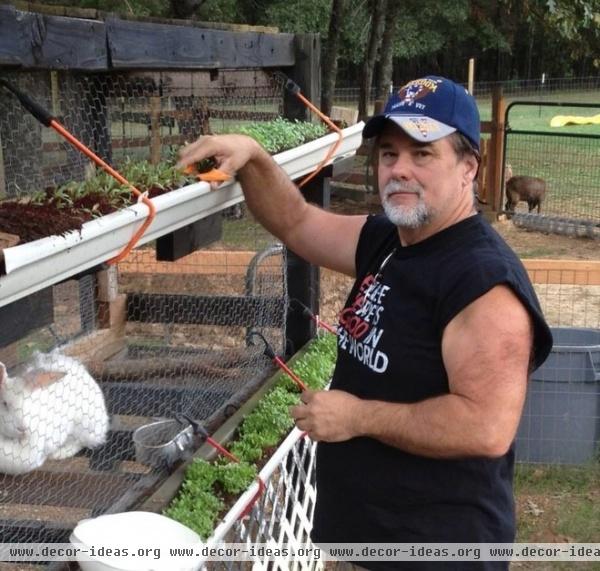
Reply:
x=400, y=186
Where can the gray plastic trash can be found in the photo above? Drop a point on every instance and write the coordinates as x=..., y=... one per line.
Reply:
x=561, y=418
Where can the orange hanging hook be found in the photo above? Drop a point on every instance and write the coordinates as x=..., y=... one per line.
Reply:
x=294, y=88
x=44, y=117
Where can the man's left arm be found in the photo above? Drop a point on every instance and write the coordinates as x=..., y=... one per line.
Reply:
x=486, y=350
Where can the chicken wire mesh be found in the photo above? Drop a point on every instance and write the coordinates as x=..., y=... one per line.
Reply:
x=122, y=117
x=142, y=342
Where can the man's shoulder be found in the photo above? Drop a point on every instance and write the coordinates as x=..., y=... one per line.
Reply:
x=485, y=242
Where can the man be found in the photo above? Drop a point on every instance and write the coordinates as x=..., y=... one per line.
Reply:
x=436, y=340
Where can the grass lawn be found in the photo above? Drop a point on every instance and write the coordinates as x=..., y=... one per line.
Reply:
x=567, y=158
x=557, y=504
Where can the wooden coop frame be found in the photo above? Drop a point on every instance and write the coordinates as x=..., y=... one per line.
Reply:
x=58, y=39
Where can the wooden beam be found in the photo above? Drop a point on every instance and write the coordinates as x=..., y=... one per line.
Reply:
x=564, y=272
x=307, y=75
x=142, y=45
x=184, y=241
x=15, y=38
x=25, y=315
x=51, y=42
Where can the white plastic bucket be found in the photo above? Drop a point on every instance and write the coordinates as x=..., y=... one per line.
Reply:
x=133, y=531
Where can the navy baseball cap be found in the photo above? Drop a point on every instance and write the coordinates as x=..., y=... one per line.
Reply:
x=428, y=109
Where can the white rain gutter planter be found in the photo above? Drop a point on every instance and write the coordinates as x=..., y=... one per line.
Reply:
x=36, y=265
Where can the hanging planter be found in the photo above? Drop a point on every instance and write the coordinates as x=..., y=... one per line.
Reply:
x=35, y=265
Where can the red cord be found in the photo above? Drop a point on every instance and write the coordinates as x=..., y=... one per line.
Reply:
x=332, y=150
x=322, y=324
x=261, y=488
x=290, y=373
x=112, y=172
x=221, y=449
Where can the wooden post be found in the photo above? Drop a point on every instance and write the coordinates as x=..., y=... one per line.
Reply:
x=495, y=150
x=471, y=84
x=307, y=74
x=55, y=93
x=303, y=278
x=482, y=188
x=379, y=106
x=155, y=144
x=2, y=175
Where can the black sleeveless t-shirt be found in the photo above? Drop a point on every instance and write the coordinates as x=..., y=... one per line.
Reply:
x=389, y=348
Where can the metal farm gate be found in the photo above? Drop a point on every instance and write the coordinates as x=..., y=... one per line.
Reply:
x=559, y=143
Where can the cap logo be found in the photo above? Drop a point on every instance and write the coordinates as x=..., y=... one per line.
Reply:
x=415, y=90
x=422, y=125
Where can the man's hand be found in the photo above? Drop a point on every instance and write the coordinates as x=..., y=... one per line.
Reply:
x=329, y=416
x=320, y=237
x=230, y=152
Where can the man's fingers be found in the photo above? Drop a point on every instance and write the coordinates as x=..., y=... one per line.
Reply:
x=194, y=152
x=299, y=411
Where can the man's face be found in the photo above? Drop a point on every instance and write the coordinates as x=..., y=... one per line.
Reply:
x=421, y=182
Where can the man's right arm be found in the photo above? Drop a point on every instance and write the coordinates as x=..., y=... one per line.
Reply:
x=320, y=237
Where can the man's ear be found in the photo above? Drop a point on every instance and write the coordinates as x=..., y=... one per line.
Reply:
x=374, y=164
x=471, y=168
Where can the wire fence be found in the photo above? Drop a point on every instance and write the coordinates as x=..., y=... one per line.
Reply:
x=551, y=170
x=147, y=341
x=580, y=89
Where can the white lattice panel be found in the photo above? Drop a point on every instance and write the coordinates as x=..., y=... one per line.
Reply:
x=283, y=515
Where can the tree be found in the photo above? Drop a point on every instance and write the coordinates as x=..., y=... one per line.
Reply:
x=386, y=61
x=373, y=43
x=184, y=8
x=330, y=61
